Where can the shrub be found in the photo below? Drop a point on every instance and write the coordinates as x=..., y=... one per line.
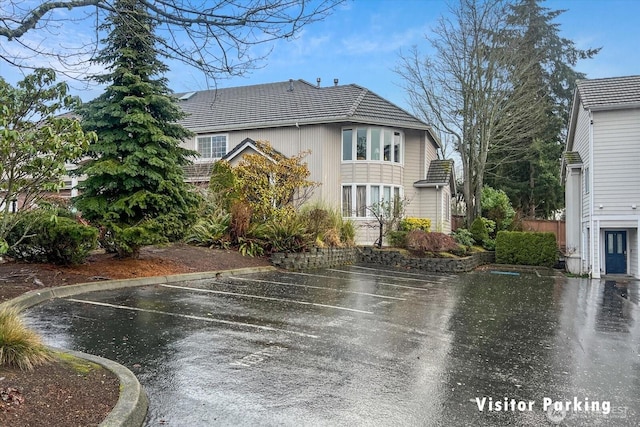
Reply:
x=240, y=219
x=348, y=232
x=420, y=241
x=42, y=236
x=463, y=237
x=479, y=231
x=19, y=346
x=211, y=231
x=284, y=235
x=397, y=239
x=410, y=223
x=526, y=248
x=497, y=207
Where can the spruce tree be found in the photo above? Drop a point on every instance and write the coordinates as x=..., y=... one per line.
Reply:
x=528, y=168
x=135, y=186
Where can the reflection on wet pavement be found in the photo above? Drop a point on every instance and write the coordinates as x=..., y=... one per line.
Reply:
x=362, y=346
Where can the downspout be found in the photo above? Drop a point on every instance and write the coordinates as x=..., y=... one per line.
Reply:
x=437, y=207
x=592, y=245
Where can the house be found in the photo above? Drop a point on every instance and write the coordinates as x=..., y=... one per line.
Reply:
x=602, y=178
x=363, y=149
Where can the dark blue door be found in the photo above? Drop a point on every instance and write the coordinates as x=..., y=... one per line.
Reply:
x=615, y=246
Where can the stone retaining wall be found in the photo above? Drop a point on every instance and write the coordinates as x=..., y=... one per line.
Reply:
x=391, y=258
x=315, y=258
x=333, y=257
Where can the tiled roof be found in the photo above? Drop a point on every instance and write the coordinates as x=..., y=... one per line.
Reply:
x=196, y=172
x=614, y=92
x=439, y=171
x=288, y=103
x=572, y=158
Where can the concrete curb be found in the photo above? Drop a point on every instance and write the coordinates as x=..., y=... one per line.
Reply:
x=132, y=405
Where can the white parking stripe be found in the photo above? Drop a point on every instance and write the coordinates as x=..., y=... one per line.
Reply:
x=378, y=275
x=315, y=287
x=404, y=287
x=188, y=316
x=390, y=271
x=268, y=298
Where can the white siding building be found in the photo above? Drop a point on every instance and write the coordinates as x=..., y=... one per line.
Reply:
x=601, y=172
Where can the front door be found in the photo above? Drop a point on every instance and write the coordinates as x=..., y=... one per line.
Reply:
x=615, y=247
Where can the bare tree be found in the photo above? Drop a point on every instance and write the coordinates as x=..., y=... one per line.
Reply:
x=217, y=37
x=465, y=88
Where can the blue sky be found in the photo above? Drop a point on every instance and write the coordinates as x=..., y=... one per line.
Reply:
x=360, y=43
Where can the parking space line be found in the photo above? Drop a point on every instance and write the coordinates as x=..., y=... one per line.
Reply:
x=335, y=307
x=405, y=287
x=188, y=316
x=378, y=275
x=390, y=271
x=316, y=287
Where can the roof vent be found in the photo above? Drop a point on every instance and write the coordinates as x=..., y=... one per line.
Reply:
x=335, y=82
x=186, y=96
x=318, y=81
x=290, y=85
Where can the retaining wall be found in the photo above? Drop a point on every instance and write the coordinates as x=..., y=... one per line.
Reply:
x=315, y=258
x=333, y=257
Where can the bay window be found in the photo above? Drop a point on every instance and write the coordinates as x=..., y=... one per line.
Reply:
x=372, y=144
x=364, y=197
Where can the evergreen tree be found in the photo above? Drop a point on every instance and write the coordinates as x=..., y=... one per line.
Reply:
x=527, y=169
x=135, y=185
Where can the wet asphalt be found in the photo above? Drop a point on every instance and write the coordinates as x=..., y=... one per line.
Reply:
x=362, y=346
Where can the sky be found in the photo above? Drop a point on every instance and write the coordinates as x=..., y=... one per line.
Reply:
x=361, y=42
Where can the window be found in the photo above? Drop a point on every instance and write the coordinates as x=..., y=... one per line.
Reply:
x=387, y=146
x=361, y=145
x=361, y=200
x=364, y=196
x=375, y=143
x=397, y=144
x=212, y=147
x=347, y=144
x=372, y=144
x=346, y=201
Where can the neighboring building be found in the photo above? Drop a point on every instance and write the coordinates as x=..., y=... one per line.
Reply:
x=602, y=178
x=363, y=148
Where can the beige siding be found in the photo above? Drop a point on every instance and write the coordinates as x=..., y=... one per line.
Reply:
x=616, y=152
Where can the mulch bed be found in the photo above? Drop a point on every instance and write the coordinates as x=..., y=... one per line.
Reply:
x=56, y=394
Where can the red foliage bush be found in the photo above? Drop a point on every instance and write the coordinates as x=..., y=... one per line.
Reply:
x=421, y=241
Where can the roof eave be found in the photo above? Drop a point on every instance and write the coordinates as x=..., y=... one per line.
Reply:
x=606, y=107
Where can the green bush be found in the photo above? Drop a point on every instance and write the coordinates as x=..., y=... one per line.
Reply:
x=411, y=223
x=479, y=231
x=348, y=232
x=19, y=346
x=397, y=239
x=284, y=235
x=42, y=236
x=526, y=248
x=463, y=236
x=211, y=231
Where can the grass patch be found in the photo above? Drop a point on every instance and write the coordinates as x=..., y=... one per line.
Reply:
x=20, y=347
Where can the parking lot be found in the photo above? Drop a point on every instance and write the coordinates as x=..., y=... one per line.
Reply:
x=362, y=346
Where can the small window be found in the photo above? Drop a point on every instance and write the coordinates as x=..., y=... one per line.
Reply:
x=375, y=144
x=397, y=147
x=212, y=147
x=361, y=200
x=347, y=144
x=346, y=201
x=361, y=144
x=387, y=145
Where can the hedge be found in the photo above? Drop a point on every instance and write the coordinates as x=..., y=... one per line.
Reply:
x=526, y=248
